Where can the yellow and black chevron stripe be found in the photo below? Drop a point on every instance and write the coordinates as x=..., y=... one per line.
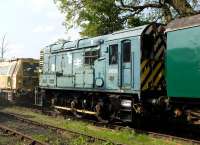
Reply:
x=152, y=70
x=152, y=74
x=159, y=47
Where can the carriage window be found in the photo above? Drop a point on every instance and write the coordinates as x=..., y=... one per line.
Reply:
x=113, y=54
x=91, y=56
x=126, y=46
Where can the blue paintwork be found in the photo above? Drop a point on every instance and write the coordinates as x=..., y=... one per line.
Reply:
x=64, y=66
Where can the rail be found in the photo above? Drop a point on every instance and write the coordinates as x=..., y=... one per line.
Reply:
x=20, y=135
x=58, y=129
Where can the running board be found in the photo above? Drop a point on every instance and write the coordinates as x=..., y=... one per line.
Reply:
x=78, y=110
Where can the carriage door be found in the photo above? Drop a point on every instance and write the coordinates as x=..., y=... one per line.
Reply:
x=126, y=64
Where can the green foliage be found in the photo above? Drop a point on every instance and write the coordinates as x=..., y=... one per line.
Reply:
x=100, y=17
x=136, y=21
x=96, y=17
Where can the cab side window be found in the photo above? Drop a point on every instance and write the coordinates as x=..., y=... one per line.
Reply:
x=126, y=46
x=113, y=54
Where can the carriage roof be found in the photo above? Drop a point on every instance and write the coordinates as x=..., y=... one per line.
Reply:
x=183, y=23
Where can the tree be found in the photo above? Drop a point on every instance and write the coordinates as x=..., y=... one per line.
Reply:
x=4, y=45
x=96, y=17
x=165, y=10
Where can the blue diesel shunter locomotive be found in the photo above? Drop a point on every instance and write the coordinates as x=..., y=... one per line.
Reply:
x=115, y=76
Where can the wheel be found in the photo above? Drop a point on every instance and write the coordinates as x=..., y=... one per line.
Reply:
x=99, y=113
x=73, y=110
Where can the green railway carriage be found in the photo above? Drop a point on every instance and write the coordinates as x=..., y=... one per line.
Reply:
x=182, y=66
x=183, y=58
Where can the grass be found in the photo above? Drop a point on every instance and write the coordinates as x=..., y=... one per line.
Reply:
x=10, y=140
x=54, y=139
x=123, y=136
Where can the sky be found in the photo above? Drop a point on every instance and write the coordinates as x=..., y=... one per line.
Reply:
x=30, y=25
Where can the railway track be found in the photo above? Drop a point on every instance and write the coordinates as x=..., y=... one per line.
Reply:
x=20, y=136
x=59, y=130
x=170, y=137
x=150, y=133
x=108, y=126
x=155, y=134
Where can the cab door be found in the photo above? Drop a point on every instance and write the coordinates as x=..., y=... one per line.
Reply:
x=113, y=66
x=126, y=77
